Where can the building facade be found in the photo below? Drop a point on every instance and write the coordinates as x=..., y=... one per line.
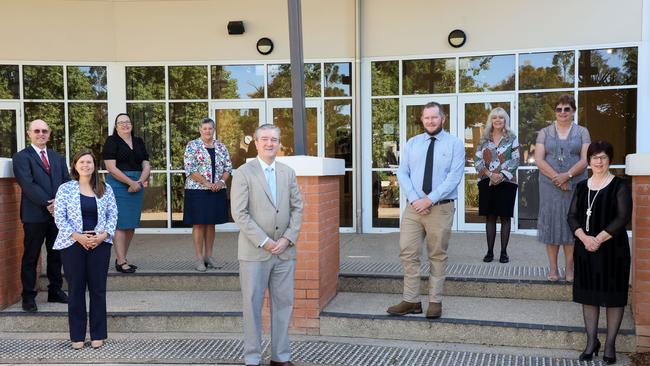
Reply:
x=370, y=66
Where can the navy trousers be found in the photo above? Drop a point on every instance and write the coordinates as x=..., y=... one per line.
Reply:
x=35, y=234
x=86, y=268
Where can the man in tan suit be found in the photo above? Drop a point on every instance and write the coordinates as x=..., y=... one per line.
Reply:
x=267, y=207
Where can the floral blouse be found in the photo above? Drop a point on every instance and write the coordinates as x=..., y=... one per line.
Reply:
x=502, y=159
x=197, y=160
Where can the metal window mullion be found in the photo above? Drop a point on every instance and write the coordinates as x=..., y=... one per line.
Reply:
x=576, y=60
x=66, y=125
x=167, y=150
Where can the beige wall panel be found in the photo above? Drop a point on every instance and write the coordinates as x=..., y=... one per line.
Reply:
x=55, y=30
x=420, y=27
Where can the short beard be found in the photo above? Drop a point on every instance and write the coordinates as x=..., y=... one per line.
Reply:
x=435, y=132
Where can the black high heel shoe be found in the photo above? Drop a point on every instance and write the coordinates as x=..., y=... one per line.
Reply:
x=609, y=360
x=489, y=257
x=584, y=356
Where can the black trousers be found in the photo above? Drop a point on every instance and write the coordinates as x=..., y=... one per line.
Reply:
x=86, y=268
x=35, y=234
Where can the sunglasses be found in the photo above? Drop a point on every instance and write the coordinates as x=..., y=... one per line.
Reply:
x=44, y=131
x=565, y=110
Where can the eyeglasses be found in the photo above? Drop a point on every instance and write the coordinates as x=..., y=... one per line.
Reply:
x=44, y=131
x=123, y=122
x=600, y=157
x=565, y=110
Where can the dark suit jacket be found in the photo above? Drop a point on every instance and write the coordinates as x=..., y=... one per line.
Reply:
x=37, y=186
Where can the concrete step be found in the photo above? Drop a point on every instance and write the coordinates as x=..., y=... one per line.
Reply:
x=474, y=320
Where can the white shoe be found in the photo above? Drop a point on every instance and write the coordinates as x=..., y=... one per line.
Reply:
x=200, y=265
x=212, y=263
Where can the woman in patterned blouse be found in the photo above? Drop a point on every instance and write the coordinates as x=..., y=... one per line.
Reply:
x=496, y=161
x=207, y=167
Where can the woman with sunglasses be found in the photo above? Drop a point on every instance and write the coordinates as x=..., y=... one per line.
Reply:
x=561, y=156
x=86, y=214
x=598, y=216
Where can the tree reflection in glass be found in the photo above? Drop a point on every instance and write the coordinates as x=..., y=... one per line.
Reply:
x=487, y=73
x=338, y=130
x=536, y=111
x=610, y=66
x=88, y=127
x=279, y=80
x=283, y=118
x=385, y=133
x=9, y=144
x=9, y=82
x=235, y=129
x=385, y=78
x=52, y=114
x=188, y=82
x=337, y=80
x=184, y=119
x=149, y=124
x=145, y=82
x=42, y=82
x=237, y=81
x=429, y=76
x=385, y=199
x=546, y=70
x=87, y=82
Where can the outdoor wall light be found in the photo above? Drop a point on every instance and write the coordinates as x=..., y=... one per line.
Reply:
x=457, y=38
x=264, y=46
x=236, y=27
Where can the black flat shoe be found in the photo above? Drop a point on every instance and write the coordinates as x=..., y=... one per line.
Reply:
x=488, y=258
x=584, y=356
x=57, y=296
x=504, y=258
x=29, y=305
x=120, y=267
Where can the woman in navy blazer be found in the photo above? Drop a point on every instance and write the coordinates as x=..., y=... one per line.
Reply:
x=86, y=215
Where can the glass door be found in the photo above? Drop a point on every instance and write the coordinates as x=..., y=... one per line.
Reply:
x=280, y=113
x=473, y=111
x=10, y=129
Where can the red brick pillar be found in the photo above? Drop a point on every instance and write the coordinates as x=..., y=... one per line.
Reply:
x=317, y=262
x=638, y=166
x=11, y=236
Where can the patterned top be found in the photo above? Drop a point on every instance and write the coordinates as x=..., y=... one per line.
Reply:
x=68, y=217
x=502, y=159
x=197, y=160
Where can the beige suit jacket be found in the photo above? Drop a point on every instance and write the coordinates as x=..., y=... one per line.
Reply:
x=257, y=217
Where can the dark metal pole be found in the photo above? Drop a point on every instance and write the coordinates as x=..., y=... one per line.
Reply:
x=297, y=77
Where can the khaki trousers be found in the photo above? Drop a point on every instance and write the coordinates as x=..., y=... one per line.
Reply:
x=435, y=230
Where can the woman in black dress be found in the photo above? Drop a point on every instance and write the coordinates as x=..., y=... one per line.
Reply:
x=600, y=210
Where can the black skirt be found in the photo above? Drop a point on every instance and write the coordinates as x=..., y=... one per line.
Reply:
x=204, y=207
x=496, y=200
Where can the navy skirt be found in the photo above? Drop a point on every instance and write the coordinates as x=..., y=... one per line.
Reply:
x=129, y=205
x=496, y=200
x=204, y=207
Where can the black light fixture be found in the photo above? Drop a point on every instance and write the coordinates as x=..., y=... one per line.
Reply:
x=457, y=38
x=236, y=27
x=264, y=46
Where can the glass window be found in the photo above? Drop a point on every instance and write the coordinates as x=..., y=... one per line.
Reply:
x=88, y=127
x=9, y=83
x=9, y=144
x=283, y=118
x=385, y=199
x=184, y=120
x=279, y=79
x=188, y=82
x=338, y=130
x=471, y=199
x=610, y=115
x=145, y=82
x=43, y=82
x=535, y=112
x=430, y=76
x=385, y=77
x=610, y=66
x=178, y=195
x=476, y=115
x=149, y=124
x=235, y=129
x=87, y=82
x=528, y=198
x=414, y=121
x=546, y=70
x=52, y=114
x=487, y=73
x=337, y=80
x=154, y=203
x=385, y=133
x=346, y=215
x=237, y=81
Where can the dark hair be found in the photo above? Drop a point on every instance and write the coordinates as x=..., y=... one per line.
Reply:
x=598, y=147
x=441, y=112
x=115, y=124
x=96, y=183
x=566, y=99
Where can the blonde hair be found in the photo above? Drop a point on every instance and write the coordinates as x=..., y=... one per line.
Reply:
x=487, y=132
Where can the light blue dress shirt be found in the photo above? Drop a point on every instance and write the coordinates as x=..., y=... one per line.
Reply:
x=448, y=167
x=269, y=173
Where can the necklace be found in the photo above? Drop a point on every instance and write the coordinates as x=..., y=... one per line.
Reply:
x=590, y=202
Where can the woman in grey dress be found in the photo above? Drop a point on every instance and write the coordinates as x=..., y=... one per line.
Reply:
x=561, y=156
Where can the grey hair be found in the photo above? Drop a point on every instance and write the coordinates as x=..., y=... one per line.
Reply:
x=441, y=112
x=267, y=126
x=207, y=120
x=487, y=132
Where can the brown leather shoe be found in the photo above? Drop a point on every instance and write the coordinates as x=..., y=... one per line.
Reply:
x=279, y=363
x=434, y=310
x=404, y=308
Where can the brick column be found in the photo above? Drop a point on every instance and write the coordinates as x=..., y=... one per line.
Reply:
x=317, y=261
x=638, y=166
x=11, y=236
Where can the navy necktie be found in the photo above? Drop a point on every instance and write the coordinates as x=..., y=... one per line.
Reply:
x=428, y=168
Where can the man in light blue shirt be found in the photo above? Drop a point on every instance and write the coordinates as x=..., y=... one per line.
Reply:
x=430, y=169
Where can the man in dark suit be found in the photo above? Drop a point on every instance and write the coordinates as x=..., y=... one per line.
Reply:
x=39, y=172
x=266, y=205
